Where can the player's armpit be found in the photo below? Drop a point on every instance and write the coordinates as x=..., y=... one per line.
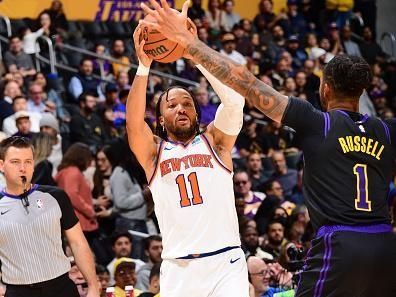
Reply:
x=221, y=143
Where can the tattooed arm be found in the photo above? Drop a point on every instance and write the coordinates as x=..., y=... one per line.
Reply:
x=239, y=78
x=173, y=25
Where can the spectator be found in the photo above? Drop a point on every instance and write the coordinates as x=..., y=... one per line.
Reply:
x=112, y=102
x=250, y=140
x=275, y=239
x=282, y=71
x=23, y=124
x=70, y=178
x=49, y=125
x=274, y=192
x=196, y=11
x=152, y=250
x=265, y=13
x=104, y=278
x=44, y=21
x=213, y=17
x=285, y=176
x=84, y=81
x=128, y=196
x=42, y=174
x=11, y=90
x=297, y=24
x=29, y=39
x=36, y=99
x=229, y=45
x=339, y=11
x=86, y=126
x=20, y=104
x=254, y=167
x=15, y=57
x=298, y=55
x=260, y=275
x=78, y=279
x=125, y=275
x=58, y=17
x=242, y=186
x=208, y=109
x=122, y=80
x=313, y=81
x=118, y=53
x=370, y=49
x=52, y=95
x=122, y=247
x=350, y=47
x=99, y=65
x=228, y=17
x=250, y=244
x=154, y=283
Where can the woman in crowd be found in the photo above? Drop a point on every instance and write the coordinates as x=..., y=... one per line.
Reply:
x=42, y=175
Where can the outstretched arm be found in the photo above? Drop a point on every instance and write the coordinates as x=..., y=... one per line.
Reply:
x=140, y=137
x=173, y=25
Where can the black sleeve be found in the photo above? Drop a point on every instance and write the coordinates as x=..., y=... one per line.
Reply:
x=69, y=218
x=308, y=122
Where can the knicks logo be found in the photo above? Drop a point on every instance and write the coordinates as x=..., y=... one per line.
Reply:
x=177, y=164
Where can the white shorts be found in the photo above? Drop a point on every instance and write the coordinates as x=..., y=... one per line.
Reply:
x=221, y=275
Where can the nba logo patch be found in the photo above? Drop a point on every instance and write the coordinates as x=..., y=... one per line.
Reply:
x=39, y=203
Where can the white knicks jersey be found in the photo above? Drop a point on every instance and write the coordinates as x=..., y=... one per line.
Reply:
x=194, y=199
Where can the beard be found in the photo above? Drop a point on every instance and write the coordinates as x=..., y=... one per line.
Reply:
x=182, y=133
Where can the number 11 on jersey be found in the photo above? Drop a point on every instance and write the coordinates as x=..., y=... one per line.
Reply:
x=196, y=195
x=362, y=201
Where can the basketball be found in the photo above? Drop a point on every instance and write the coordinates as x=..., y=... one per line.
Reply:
x=158, y=47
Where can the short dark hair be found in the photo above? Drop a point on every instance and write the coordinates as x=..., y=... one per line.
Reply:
x=347, y=75
x=159, y=131
x=150, y=239
x=100, y=269
x=17, y=98
x=84, y=95
x=14, y=141
x=12, y=37
x=85, y=59
x=118, y=235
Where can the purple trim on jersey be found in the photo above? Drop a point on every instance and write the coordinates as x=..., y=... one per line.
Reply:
x=344, y=113
x=386, y=128
x=157, y=161
x=31, y=190
x=206, y=141
x=378, y=228
x=326, y=266
x=327, y=123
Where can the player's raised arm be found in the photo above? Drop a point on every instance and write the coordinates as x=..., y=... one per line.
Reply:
x=140, y=137
x=172, y=24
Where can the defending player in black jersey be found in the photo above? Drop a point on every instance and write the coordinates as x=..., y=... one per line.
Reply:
x=348, y=164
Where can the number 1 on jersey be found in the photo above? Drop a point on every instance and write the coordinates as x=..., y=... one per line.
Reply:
x=196, y=195
x=362, y=201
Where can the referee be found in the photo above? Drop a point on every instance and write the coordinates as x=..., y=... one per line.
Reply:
x=32, y=218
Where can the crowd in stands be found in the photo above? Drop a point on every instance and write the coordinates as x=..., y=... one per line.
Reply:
x=77, y=126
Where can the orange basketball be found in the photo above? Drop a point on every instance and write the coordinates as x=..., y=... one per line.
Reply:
x=158, y=47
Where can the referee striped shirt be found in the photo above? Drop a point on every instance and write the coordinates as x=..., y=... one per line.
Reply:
x=31, y=237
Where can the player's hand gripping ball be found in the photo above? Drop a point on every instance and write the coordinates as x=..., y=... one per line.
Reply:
x=158, y=47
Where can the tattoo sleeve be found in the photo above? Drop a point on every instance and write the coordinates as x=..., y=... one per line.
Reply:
x=238, y=77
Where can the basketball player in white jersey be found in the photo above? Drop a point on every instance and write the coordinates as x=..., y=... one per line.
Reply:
x=190, y=177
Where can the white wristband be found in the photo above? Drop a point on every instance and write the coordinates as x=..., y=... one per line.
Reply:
x=142, y=70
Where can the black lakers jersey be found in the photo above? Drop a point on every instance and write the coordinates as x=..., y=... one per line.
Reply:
x=348, y=162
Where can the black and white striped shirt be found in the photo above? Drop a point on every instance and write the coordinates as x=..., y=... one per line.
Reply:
x=31, y=237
